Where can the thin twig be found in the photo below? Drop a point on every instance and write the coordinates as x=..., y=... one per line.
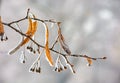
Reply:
x=85, y=56
x=16, y=21
x=56, y=40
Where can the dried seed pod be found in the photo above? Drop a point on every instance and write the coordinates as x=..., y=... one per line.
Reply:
x=74, y=71
x=32, y=69
x=38, y=50
x=31, y=49
x=59, y=70
x=55, y=69
x=1, y=38
x=65, y=67
x=6, y=38
x=38, y=70
x=28, y=47
x=34, y=51
x=23, y=61
x=35, y=67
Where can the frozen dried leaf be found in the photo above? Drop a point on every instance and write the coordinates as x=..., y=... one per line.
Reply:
x=48, y=55
x=62, y=41
x=1, y=28
x=32, y=28
x=47, y=51
x=89, y=61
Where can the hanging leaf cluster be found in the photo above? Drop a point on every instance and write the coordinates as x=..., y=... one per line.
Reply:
x=32, y=28
x=28, y=39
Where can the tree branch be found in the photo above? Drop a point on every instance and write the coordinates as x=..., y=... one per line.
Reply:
x=73, y=55
x=52, y=48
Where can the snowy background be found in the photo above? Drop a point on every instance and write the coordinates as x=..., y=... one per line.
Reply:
x=90, y=27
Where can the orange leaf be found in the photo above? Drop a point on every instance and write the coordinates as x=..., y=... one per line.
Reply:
x=1, y=28
x=32, y=28
x=29, y=27
x=47, y=51
x=89, y=61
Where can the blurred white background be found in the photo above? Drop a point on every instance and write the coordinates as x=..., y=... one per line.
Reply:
x=90, y=27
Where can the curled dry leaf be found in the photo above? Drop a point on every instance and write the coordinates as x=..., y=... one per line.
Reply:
x=89, y=61
x=47, y=51
x=1, y=28
x=62, y=41
x=32, y=28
